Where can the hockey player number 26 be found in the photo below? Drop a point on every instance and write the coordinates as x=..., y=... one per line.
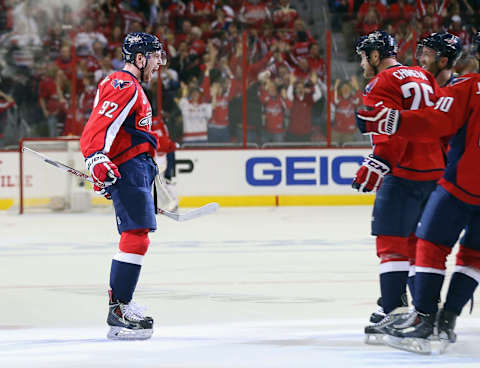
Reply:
x=419, y=90
x=111, y=106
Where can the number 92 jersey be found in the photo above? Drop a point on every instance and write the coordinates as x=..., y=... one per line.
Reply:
x=406, y=88
x=121, y=120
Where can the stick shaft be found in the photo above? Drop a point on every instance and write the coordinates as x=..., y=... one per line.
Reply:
x=189, y=215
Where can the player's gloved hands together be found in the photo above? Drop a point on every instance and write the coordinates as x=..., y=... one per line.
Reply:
x=104, y=172
x=380, y=120
x=370, y=175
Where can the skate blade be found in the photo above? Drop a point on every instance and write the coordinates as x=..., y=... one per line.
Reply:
x=122, y=333
x=374, y=339
x=411, y=344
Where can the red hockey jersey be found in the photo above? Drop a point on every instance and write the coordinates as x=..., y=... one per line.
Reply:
x=406, y=88
x=121, y=120
x=458, y=113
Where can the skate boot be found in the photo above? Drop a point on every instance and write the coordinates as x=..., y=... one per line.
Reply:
x=375, y=332
x=127, y=322
x=379, y=314
x=414, y=333
x=445, y=325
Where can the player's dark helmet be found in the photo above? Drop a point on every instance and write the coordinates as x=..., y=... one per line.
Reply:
x=476, y=42
x=383, y=42
x=141, y=43
x=444, y=44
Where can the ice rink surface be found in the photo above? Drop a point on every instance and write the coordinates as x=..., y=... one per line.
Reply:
x=286, y=287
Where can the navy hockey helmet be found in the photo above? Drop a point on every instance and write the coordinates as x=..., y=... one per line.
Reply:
x=142, y=43
x=476, y=42
x=383, y=42
x=444, y=44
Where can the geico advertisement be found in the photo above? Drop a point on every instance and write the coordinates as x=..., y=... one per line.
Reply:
x=263, y=172
x=209, y=172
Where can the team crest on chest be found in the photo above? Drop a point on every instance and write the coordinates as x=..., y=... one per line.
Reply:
x=121, y=84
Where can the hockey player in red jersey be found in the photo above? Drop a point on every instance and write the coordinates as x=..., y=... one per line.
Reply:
x=408, y=170
x=119, y=146
x=438, y=54
x=453, y=207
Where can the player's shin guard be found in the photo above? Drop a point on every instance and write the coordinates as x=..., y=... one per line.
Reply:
x=127, y=263
x=464, y=280
x=393, y=280
x=429, y=276
x=393, y=252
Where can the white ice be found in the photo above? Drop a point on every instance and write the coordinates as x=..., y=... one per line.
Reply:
x=246, y=287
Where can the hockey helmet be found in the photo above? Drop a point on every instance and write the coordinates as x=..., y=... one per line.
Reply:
x=444, y=44
x=383, y=42
x=476, y=42
x=142, y=43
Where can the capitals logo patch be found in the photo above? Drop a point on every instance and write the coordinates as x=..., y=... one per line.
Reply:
x=370, y=86
x=146, y=122
x=458, y=80
x=121, y=84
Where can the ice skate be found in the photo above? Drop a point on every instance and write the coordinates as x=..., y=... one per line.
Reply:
x=379, y=314
x=414, y=334
x=127, y=322
x=445, y=325
x=379, y=321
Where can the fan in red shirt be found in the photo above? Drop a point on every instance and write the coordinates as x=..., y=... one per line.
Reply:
x=368, y=5
x=224, y=90
x=315, y=61
x=346, y=100
x=254, y=13
x=302, y=99
x=400, y=11
x=200, y=11
x=284, y=15
x=275, y=106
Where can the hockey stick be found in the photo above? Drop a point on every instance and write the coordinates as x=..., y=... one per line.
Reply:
x=185, y=216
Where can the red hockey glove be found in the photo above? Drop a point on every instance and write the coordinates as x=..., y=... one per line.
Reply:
x=370, y=175
x=101, y=192
x=380, y=120
x=104, y=172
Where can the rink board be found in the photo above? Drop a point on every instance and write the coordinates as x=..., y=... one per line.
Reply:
x=229, y=177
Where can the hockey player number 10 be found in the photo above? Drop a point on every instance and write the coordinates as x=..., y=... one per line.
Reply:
x=444, y=103
x=419, y=90
x=111, y=106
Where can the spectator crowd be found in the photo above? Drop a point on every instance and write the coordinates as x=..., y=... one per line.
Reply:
x=201, y=85
x=48, y=90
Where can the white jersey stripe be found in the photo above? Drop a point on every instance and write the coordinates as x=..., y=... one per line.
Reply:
x=428, y=270
x=394, y=266
x=129, y=258
x=117, y=123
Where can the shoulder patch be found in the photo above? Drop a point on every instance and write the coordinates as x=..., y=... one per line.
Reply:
x=457, y=80
x=370, y=86
x=121, y=84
